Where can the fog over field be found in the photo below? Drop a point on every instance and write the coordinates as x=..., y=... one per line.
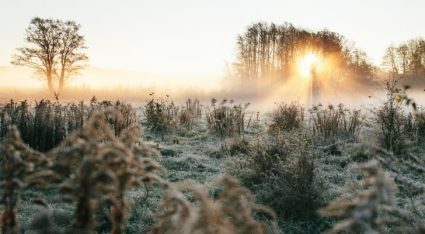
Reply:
x=20, y=83
x=212, y=117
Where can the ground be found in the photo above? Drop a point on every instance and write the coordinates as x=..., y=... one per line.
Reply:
x=197, y=155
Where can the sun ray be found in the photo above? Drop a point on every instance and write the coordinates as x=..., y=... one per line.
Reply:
x=306, y=63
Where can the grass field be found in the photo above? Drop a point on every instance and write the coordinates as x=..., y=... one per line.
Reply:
x=299, y=170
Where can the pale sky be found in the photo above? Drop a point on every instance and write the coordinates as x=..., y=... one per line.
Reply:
x=191, y=39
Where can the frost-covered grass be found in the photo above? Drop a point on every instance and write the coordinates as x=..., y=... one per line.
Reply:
x=295, y=171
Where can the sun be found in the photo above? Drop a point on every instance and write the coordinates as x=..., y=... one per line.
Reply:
x=306, y=63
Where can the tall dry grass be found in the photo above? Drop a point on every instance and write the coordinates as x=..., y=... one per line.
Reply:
x=287, y=117
x=334, y=121
x=94, y=169
x=368, y=206
x=225, y=118
x=45, y=124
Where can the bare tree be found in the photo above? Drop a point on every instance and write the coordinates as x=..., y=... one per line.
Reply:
x=406, y=59
x=53, y=50
x=271, y=51
x=403, y=54
x=390, y=61
x=70, y=56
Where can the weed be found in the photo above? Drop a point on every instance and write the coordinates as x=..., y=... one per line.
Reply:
x=230, y=212
x=20, y=168
x=48, y=123
x=369, y=206
x=390, y=119
x=335, y=121
x=161, y=115
x=226, y=120
x=102, y=168
x=189, y=113
x=287, y=117
x=282, y=174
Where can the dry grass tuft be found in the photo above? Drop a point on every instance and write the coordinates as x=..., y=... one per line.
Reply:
x=369, y=206
x=102, y=168
x=231, y=212
x=226, y=120
x=20, y=168
x=189, y=113
x=48, y=123
x=161, y=115
x=287, y=117
x=335, y=121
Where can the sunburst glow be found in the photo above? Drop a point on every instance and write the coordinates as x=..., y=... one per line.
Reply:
x=306, y=63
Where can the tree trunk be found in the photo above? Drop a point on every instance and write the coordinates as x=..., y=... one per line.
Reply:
x=61, y=79
x=50, y=82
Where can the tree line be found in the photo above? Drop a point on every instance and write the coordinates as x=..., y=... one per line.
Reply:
x=270, y=50
x=406, y=59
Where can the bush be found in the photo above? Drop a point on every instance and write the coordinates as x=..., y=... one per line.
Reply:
x=281, y=175
x=391, y=120
x=287, y=117
x=161, y=115
x=264, y=155
x=293, y=190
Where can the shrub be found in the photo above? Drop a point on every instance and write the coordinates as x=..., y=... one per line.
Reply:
x=414, y=123
x=282, y=175
x=287, y=117
x=161, y=115
x=265, y=154
x=294, y=189
x=391, y=120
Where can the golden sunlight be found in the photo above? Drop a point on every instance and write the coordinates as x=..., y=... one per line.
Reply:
x=306, y=63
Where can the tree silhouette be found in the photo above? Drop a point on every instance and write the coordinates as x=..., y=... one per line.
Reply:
x=272, y=51
x=53, y=50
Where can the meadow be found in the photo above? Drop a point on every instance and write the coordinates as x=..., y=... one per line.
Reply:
x=212, y=117
x=213, y=167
